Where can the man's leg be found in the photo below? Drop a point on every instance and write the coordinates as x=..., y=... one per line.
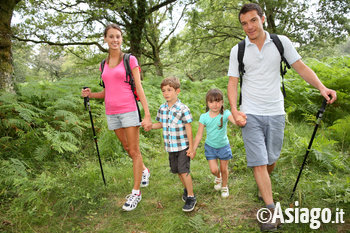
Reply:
x=263, y=181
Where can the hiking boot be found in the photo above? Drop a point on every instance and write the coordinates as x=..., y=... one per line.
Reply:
x=145, y=178
x=184, y=195
x=270, y=226
x=131, y=202
x=224, y=192
x=190, y=204
x=218, y=182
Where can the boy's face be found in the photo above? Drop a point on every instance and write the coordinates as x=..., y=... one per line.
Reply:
x=252, y=25
x=170, y=94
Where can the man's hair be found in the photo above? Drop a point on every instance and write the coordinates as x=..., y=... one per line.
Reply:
x=250, y=7
x=172, y=82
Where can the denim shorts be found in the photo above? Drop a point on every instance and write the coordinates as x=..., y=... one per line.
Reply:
x=123, y=120
x=179, y=162
x=223, y=153
x=263, y=139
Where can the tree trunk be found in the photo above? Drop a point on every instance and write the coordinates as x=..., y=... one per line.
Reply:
x=6, y=67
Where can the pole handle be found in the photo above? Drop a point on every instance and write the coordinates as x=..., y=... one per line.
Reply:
x=86, y=99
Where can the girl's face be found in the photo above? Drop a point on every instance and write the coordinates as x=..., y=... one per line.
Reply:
x=114, y=38
x=215, y=106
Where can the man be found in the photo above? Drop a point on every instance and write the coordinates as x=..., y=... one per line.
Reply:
x=262, y=115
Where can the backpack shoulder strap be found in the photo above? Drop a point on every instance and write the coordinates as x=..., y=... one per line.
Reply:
x=102, y=65
x=280, y=48
x=240, y=55
x=126, y=60
x=284, y=63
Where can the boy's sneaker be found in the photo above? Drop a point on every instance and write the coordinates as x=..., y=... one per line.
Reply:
x=145, y=178
x=224, y=192
x=190, y=204
x=218, y=182
x=131, y=202
x=184, y=195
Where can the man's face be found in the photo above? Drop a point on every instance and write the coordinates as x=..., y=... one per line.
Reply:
x=252, y=25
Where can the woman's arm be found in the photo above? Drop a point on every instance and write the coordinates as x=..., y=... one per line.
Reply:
x=146, y=122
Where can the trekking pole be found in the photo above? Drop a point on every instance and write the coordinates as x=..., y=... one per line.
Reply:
x=87, y=102
x=318, y=120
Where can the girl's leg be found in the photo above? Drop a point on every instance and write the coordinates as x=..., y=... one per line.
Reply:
x=129, y=138
x=224, y=172
x=214, y=169
x=121, y=134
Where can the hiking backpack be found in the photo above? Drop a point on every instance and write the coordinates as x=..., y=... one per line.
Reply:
x=128, y=79
x=283, y=65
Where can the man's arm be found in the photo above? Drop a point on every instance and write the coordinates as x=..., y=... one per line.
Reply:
x=239, y=117
x=310, y=77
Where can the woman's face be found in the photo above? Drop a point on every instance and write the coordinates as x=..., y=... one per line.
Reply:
x=114, y=38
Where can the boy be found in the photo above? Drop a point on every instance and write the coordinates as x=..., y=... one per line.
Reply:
x=175, y=119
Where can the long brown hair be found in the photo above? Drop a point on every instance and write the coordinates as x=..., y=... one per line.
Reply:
x=109, y=26
x=215, y=95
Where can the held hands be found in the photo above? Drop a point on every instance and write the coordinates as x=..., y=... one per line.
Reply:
x=240, y=118
x=146, y=123
x=191, y=153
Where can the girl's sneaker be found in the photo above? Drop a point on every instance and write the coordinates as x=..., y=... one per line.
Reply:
x=217, y=182
x=131, y=202
x=224, y=192
x=145, y=178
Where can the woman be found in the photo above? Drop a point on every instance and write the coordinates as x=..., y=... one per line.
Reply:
x=121, y=109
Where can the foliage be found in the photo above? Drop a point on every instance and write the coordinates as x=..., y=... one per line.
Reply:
x=50, y=179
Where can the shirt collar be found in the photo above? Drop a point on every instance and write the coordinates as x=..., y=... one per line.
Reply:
x=175, y=104
x=267, y=39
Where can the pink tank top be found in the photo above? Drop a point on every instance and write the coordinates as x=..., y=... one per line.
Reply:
x=118, y=95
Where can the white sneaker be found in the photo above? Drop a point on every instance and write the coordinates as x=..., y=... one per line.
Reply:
x=131, y=202
x=145, y=178
x=224, y=192
x=218, y=182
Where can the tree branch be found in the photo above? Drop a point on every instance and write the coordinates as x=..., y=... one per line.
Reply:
x=60, y=44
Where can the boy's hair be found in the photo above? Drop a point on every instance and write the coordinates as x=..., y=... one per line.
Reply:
x=250, y=7
x=215, y=95
x=172, y=82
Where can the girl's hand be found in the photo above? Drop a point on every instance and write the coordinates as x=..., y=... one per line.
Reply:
x=190, y=153
x=85, y=92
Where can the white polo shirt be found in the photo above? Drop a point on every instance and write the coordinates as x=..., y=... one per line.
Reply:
x=261, y=90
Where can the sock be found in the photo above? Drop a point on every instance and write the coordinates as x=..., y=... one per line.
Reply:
x=136, y=192
x=270, y=206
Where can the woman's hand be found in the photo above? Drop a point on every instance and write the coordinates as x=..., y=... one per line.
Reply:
x=85, y=92
x=146, y=123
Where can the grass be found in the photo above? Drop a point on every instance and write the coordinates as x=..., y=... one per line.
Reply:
x=74, y=199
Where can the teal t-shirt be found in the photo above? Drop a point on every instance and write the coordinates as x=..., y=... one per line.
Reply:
x=216, y=136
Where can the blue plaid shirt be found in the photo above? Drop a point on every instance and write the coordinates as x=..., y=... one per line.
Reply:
x=173, y=121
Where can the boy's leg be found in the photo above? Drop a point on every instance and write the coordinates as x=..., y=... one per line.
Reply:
x=186, y=179
x=224, y=172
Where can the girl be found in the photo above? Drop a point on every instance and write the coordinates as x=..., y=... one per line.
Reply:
x=216, y=144
x=121, y=109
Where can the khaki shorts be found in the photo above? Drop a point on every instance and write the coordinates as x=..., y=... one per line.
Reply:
x=263, y=139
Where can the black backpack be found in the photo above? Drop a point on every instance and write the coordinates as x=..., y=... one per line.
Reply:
x=283, y=66
x=128, y=79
